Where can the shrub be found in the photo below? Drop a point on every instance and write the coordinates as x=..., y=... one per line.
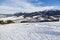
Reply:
x=54, y=20
x=2, y=22
x=9, y=21
x=24, y=21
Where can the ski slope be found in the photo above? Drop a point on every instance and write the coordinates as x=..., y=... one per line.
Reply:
x=30, y=31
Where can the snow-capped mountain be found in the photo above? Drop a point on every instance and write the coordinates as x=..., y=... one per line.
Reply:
x=46, y=15
x=50, y=12
x=5, y=15
x=40, y=16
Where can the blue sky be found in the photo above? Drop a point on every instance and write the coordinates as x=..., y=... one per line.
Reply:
x=45, y=2
x=13, y=6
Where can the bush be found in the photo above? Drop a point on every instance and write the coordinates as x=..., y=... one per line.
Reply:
x=54, y=20
x=44, y=21
x=9, y=21
x=6, y=22
x=24, y=21
x=2, y=22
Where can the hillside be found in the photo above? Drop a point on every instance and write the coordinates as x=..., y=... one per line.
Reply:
x=43, y=13
x=46, y=15
x=30, y=31
x=40, y=16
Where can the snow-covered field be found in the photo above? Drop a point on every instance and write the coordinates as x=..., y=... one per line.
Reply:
x=30, y=31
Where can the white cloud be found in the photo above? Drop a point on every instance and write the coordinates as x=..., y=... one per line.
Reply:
x=29, y=7
x=21, y=6
x=9, y=9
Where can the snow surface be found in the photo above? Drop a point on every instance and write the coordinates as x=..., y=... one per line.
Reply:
x=30, y=31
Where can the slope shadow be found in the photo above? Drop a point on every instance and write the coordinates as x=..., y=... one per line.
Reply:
x=52, y=33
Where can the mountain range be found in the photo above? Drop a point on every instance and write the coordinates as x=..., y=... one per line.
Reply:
x=46, y=15
x=40, y=16
x=43, y=13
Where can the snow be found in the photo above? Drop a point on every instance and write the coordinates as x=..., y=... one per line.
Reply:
x=12, y=18
x=30, y=31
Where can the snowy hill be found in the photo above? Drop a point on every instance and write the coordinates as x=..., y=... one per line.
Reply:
x=46, y=15
x=26, y=26
x=40, y=16
x=30, y=31
x=5, y=15
x=51, y=12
